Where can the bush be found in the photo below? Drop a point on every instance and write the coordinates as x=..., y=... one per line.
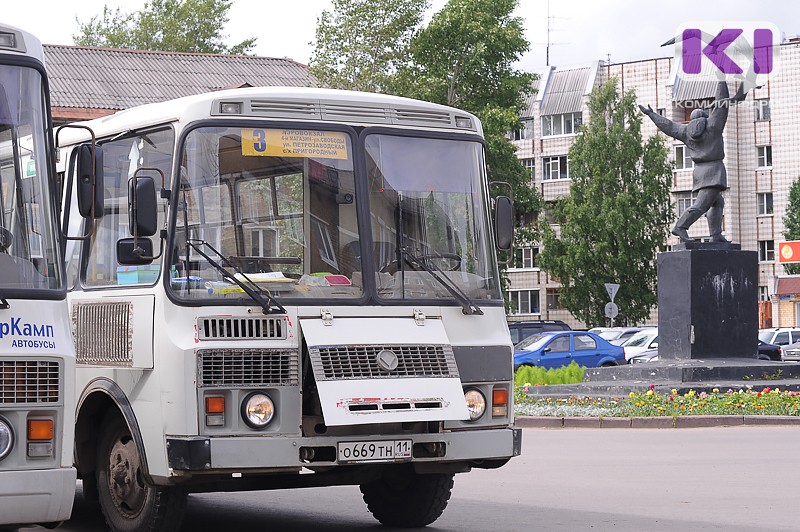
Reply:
x=536, y=376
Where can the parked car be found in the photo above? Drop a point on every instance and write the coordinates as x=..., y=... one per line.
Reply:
x=520, y=330
x=770, y=351
x=640, y=342
x=616, y=335
x=791, y=352
x=651, y=355
x=554, y=349
x=779, y=335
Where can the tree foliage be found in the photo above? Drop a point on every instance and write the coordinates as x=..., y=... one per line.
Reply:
x=791, y=222
x=616, y=216
x=465, y=58
x=166, y=25
x=360, y=44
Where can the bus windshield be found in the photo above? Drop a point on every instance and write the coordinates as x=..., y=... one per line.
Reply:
x=29, y=255
x=276, y=208
x=429, y=223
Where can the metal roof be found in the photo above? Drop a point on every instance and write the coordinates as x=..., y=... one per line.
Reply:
x=530, y=99
x=565, y=90
x=105, y=78
x=699, y=89
x=789, y=285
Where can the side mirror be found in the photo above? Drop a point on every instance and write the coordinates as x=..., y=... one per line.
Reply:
x=547, y=349
x=90, y=180
x=142, y=210
x=134, y=251
x=504, y=222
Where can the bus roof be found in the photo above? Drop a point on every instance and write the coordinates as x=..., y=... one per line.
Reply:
x=291, y=104
x=20, y=42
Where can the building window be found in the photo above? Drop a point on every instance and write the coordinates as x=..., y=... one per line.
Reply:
x=524, y=301
x=762, y=109
x=683, y=200
x=763, y=156
x=525, y=257
x=530, y=165
x=765, y=203
x=766, y=250
x=763, y=293
x=682, y=159
x=554, y=299
x=564, y=124
x=555, y=168
x=525, y=133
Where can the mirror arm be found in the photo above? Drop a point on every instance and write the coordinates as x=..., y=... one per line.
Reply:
x=70, y=177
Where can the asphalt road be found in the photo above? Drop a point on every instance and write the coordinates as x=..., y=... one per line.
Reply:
x=734, y=479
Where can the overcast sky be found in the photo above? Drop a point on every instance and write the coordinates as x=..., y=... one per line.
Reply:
x=581, y=31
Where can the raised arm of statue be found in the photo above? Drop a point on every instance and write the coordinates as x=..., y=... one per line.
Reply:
x=722, y=102
x=673, y=129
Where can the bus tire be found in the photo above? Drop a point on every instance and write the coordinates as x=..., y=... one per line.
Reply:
x=402, y=498
x=129, y=503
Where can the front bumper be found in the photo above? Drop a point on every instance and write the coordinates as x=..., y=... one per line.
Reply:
x=200, y=453
x=36, y=495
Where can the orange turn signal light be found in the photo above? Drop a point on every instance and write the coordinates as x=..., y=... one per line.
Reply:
x=215, y=405
x=499, y=396
x=40, y=429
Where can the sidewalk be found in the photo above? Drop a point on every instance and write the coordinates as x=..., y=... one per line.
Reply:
x=662, y=422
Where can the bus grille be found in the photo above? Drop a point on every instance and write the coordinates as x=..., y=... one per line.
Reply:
x=247, y=367
x=103, y=332
x=28, y=381
x=247, y=328
x=361, y=361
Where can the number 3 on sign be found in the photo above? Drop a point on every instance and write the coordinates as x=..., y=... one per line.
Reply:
x=259, y=140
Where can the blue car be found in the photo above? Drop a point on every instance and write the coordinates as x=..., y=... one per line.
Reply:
x=554, y=349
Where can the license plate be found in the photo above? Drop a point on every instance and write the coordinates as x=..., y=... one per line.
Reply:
x=375, y=451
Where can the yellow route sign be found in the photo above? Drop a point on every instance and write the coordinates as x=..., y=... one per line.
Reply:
x=294, y=143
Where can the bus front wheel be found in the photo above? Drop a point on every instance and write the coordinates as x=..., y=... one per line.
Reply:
x=128, y=502
x=405, y=499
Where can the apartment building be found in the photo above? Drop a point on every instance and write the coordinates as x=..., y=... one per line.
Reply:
x=762, y=148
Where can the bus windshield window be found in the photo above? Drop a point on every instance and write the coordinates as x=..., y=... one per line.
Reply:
x=273, y=207
x=29, y=256
x=428, y=215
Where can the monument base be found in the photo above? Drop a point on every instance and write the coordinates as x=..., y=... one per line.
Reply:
x=707, y=302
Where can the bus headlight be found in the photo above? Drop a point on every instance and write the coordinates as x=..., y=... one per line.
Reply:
x=476, y=403
x=257, y=410
x=6, y=438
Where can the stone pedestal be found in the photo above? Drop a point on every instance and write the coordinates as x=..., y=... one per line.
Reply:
x=707, y=302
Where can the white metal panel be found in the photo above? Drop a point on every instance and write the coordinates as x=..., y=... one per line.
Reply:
x=427, y=399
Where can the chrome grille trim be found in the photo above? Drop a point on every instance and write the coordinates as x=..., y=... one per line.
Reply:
x=340, y=362
x=103, y=332
x=241, y=328
x=29, y=381
x=247, y=367
x=285, y=109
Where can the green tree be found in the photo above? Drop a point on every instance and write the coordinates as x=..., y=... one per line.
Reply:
x=465, y=58
x=166, y=25
x=791, y=222
x=360, y=44
x=616, y=216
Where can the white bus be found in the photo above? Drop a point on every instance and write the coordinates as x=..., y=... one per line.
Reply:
x=37, y=357
x=290, y=288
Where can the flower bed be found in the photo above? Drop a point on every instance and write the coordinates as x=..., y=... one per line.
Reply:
x=745, y=401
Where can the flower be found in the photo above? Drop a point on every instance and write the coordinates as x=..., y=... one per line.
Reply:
x=674, y=391
x=702, y=395
x=650, y=392
x=652, y=386
x=715, y=390
x=632, y=394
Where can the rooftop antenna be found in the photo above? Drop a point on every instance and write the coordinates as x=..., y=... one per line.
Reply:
x=548, y=44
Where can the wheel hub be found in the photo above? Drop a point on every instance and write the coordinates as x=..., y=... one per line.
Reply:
x=124, y=475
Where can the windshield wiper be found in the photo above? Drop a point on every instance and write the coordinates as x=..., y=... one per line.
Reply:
x=467, y=305
x=268, y=303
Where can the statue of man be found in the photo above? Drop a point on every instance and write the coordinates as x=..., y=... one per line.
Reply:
x=703, y=139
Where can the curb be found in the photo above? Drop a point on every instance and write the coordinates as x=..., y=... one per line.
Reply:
x=655, y=422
